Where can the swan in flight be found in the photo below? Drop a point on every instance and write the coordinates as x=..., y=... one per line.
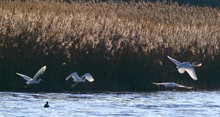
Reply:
x=186, y=66
x=171, y=84
x=34, y=80
x=78, y=79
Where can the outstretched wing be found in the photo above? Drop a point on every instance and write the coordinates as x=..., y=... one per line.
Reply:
x=182, y=86
x=172, y=84
x=158, y=83
x=166, y=84
x=189, y=69
x=40, y=72
x=73, y=75
x=27, y=78
x=191, y=72
x=174, y=61
x=88, y=77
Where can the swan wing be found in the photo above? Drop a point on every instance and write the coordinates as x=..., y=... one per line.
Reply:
x=191, y=72
x=158, y=83
x=68, y=77
x=88, y=77
x=174, y=61
x=177, y=85
x=171, y=84
x=74, y=75
x=167, y=84
x=40, y=72
x=182, y=86
x=27, y=78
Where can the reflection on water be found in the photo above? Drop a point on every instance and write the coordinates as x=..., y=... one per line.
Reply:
x=160, y=104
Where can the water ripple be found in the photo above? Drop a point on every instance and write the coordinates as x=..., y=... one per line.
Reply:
x=127, y=104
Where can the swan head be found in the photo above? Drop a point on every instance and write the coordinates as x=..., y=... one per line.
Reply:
x=196, y=64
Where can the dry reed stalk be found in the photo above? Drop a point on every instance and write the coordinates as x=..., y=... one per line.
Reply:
x=107, y=30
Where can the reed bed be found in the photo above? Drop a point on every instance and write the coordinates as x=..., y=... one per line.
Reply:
x=123, y=44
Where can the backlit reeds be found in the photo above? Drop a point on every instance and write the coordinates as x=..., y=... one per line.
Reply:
x=89, y=35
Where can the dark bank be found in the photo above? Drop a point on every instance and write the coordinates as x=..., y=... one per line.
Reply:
x=124, y=45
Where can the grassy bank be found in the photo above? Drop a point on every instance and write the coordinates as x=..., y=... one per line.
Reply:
x=123, y=45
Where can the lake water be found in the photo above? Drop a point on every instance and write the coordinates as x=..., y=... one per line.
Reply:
x=127, y=104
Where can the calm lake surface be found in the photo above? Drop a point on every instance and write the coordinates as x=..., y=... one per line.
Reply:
x=127, y=104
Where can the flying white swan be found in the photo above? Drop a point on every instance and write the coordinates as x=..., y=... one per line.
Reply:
x=172, y=84
x=78, y=79
x=186, y=66
x=34, y=80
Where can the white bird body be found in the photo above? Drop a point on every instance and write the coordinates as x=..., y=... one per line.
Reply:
x=186, y=66
x=172, y=84
x=35, y=79
x=78, y=79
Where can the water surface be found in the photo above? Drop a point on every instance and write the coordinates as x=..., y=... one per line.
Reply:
x=153, y=104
